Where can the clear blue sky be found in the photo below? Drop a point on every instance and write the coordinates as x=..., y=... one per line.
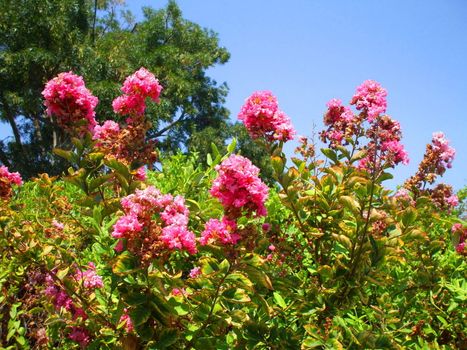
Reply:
x=309, y=51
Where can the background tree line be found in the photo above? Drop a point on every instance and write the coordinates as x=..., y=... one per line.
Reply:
x=100, y=40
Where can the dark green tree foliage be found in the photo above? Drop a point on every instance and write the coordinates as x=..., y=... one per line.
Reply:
x=95, y=39
x=38, y=39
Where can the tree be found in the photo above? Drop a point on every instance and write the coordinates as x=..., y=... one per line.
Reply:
x=40, y=39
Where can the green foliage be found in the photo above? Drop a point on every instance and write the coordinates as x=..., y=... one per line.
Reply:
x=339, y=262
x=40, y=40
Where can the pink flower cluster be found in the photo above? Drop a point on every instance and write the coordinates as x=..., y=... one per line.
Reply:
x=452, y=200
x=438, y=157
x=371, y=98
x=386, y=133
x=80, y=335
x=7, y=179
x=220, y=231
x=139, y=209
x=238, y=187
x=68, y=99
x=128, y=323
x=60, y=299
x=460, y=234
x=89, y=278
x=137, y=87
x=403, y=194
x=195, y=272
x=340, y=121
x=14, y=178
x=441, y=146
x=107, y=132
x=262, y=118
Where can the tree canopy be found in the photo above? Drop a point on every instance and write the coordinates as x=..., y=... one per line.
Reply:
x=101, y=42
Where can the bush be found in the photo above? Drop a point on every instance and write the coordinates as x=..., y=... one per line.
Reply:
x=206, y=256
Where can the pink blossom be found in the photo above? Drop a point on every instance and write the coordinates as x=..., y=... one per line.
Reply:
x=403, y=194
x=272, y=248
x=129, y=105
x=460, y=248
x=337, y=113
x=126, y=226
x=222, y=231
x=238, y=187
x=141, y=174
x=396, y=152
x=179, y=237
x=108, y=131
x=119, y=246
x=142, y=83
x=137, y=87
x=58, y=225
x=140, y=209
x=176, y=212
x=14, y=178
x=456, y=227
x=89, y=278
x=266, y=227
x=79, y=313
x=178, y=291
x=262, y=118
x=370, y=97
x=145, y=200
x=59, y=297
x=195, y=272
x=441, y=145
x=340, y=121
x=452, y=200
x=80, y=335
x=67, y=98
x=128, y=323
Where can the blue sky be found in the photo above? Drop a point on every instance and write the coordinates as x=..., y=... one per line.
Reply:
x=309, y=51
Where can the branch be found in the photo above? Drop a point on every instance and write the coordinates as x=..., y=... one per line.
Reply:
x=168, y=127
x=94, y=22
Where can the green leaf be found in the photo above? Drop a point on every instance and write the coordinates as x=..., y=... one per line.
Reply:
x=359, y=155
x=168, y=336
x=240, y=280
x=237, y=295
x=68, y=155
x=278, y=164
x=330, y=153
x=224, y=266
x=215, y=150
x=182, y=309
x=409, y=216
x=95, y=183
x=279, y=300
x=384, y=176
x=136, y=298
x=310, y=343
x=232, y=145
x=208, y=265
x=258, y=276
x=62, y=273
x=123, y=264
x=350, y=203
x=140, y=314
x=119, y=167
x=47, y=250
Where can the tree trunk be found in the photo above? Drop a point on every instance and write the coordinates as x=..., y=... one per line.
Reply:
x=11, y=119
x=3, y=157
